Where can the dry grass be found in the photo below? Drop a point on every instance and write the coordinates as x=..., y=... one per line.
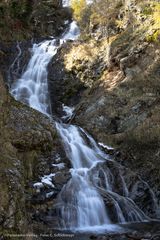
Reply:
x=80, y=53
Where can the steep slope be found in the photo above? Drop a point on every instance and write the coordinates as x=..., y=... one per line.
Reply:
x=114, y=84
x=121, y=74
x=28, y=140
x=28, y=146
x=31, y=19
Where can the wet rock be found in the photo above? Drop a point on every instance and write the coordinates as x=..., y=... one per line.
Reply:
x=61, y=178
x=43, y=197
x=157, y=237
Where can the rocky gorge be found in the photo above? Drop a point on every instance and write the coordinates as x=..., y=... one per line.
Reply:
x=114, y=90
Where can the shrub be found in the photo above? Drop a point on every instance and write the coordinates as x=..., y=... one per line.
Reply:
x=20, y=10
x=78, y=7
x=155, y=37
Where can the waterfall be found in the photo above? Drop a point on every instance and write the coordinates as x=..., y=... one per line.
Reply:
x=80, y=203
x=89, y=199
x=67, y=3
x=32, y=87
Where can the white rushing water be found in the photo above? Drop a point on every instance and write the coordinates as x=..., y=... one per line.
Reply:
x=80, y=203
x=73, y=32
x=32, y=87
x=67, y=3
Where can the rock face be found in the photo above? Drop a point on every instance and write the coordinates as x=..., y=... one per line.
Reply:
x=121, y=110
x=64, y=87
x=28, y=146
x=31, y=19
x=120, y=106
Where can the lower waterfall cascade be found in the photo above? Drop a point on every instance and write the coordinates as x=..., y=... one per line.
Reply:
x=81, y=204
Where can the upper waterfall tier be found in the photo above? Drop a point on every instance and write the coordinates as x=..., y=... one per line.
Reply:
x=32, y=87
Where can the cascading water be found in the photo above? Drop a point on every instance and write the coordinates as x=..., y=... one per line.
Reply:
x=66, y=3
x=32, y=87
x=80, y=204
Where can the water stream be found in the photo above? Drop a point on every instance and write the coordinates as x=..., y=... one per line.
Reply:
x=81, y=204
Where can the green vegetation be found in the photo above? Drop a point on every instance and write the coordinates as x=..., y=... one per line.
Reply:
x=154, y=29
x=101, y=13
x=155, y=37
x=78, y=7
x=14, y=18
x=11, y=10
x=147, y=10
x=25, y=19
x=81, y=13
x=20, y=10
x=107, y=17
